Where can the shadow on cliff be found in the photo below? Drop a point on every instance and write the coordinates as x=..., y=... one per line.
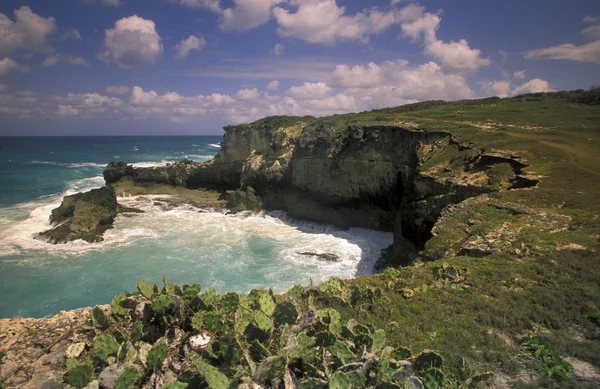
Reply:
x=372, y=243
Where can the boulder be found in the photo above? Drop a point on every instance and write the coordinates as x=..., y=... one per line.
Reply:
x=82, y=216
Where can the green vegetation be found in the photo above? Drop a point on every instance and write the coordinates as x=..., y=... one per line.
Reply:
x=507, y=287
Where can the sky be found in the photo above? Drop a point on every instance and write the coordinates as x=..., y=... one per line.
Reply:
x=190, y=67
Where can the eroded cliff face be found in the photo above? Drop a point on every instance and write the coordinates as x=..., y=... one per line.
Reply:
x=382, y=177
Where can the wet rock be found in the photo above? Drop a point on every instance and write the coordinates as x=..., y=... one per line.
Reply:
x=83, y=216
x=328, y=257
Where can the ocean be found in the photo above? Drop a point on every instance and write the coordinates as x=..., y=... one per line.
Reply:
x=229, y=252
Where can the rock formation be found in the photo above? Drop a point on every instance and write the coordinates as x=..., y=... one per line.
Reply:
x=389, y=178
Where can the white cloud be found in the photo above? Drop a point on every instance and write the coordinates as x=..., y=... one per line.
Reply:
x=323, y=22
x=29, y=31
x=70, y=33
x=184, y=47
x=247, y=14
x=247, y=94
x=117, y=90
x=520, y=75
x=586, y=53
x=455, y=56
x=211, y=5
x=589, y=52
x=309, y=91
x=496, y=88
x=9, y=65
x=55, y=59
x=592, y=32
x=534, y=86
x=591, y=19
x=133, y=42
x=348, y=88
x=278, y=49
x=273, y=85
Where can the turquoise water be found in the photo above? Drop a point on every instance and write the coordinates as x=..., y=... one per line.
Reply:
x=185, y=244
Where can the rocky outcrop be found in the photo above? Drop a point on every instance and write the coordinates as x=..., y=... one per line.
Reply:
x=82, y=216
x=375, y=176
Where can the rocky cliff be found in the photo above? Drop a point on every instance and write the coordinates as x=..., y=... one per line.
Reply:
x=384, y=177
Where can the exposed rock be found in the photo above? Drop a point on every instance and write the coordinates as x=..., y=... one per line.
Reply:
x=108, y=376
x=584, y=371
x=329, y=257
x=82, y=216
x=382, y=177
x=75, y=350
x=36, y=348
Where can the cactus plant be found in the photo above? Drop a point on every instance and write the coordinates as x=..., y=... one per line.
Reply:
x=214, y=322
x=210, y=297
x=213, y=376
x=357, y=379
x=401, y=353
x=266, y=302
x=428, y=359
x=229, y=303
x=104, y=346
x=334, y=287
x=100, y=318
x=339, y=380
x=161, y=303
x=270, y=369
x=79, y=375
x=285, y=313
x=137, y=331
x=156, y=356
x=115, y=306
x=128, y=378
x=341, y=351
x=176, y=385
x=325, y=339
x=145, y=289
x=378, y=341
x=262, y=321
x=433, y=379
x=304, y=344
x=313, y=383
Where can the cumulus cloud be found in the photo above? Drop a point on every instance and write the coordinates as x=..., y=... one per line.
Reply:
x=324, y=22
x=133, y=42
x=55, y=59
x=117, y=90
x=345, y=89
x=247, y=94
x=29, y=31
x=534, y=86
x=278, y=49
x=211, y=5
x=454, y=55
x=247, y=14
x=273, y=85
x=520, y=75
x=496, y=88
x=9, y=65
x=187, y=45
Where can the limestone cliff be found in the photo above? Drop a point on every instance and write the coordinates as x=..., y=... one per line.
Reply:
x=391, y=178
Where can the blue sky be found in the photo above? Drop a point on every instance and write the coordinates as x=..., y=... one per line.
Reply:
x=127, y=67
